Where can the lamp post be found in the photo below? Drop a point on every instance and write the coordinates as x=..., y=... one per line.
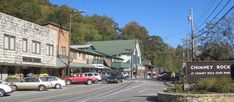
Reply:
x=72, y=14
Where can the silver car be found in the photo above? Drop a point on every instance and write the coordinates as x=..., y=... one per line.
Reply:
x=56, y=82
x=32, y=83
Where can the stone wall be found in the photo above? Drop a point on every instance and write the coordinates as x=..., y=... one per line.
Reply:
x=178, y=97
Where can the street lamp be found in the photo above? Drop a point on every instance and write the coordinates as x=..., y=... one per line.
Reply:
x=72, y=14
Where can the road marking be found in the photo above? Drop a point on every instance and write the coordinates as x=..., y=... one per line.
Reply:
x=142, y=91
x=63, y=94
x=123, y=90
x=129, y=99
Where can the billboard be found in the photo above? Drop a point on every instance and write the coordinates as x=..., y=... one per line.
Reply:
x=197, y=70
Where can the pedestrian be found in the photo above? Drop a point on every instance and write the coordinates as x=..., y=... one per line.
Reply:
x=173, y=77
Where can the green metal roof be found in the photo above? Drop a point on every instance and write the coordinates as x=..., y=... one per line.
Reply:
x=114, y=47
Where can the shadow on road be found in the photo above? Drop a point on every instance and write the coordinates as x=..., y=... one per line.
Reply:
x=150, y=98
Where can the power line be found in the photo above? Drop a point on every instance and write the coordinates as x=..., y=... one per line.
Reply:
x=216, y=22
x=219, y=12
x=210, y=4
x=209, y=15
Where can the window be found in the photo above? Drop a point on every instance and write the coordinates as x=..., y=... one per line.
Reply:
x=74, y=55
x=50, y=50
x=9, y=42
x=83, y=56
x=63, y=52
x=24, y=45
x=36, y=47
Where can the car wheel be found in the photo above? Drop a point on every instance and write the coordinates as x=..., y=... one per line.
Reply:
x=68, y=82
x=96, y=82
x=41, y=88
x=58, y=86
x=89, y=82
x=2, y=92
x=14, y=88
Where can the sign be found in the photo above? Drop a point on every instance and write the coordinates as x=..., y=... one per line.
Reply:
x=198, y=70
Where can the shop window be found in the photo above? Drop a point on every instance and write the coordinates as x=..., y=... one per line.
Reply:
x=11, y=71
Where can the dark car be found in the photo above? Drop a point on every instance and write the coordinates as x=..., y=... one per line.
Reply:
x=166, y=76
x=115, y=77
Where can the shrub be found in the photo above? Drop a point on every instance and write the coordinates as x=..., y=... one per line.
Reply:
x=222, y=84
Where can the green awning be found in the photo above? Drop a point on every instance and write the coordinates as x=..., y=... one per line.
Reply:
x=79, y=65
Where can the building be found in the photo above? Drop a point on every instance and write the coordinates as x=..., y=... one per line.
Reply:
x=86, y=59
x=26, y=48
x=63, y=48
x=127, y=50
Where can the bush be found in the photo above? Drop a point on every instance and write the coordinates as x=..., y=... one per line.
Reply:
x=221, y=85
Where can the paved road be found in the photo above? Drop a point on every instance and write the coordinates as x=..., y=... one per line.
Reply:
x=129, y=91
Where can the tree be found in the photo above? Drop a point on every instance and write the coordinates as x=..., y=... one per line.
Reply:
x=217, y=42
x=106, y=26
x=134, y=31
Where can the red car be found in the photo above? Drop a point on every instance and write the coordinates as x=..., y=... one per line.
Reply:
x=80, y=78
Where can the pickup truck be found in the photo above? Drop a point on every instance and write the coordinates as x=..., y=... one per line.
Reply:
x=80, y=78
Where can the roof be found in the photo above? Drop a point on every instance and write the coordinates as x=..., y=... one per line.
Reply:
x=54, y=24
x=81, y=46
x=114, y=47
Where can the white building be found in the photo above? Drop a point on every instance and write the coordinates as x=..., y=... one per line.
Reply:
x=25, y=47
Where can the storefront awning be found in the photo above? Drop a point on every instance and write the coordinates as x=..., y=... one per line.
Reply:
x=61, y=62
x=79, y=65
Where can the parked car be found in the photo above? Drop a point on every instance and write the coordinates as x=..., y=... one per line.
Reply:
x=115, y=77
x=56, y=82
x=4, y=82
x=5, y=89
x=80, y=78
x=91, y=74
x=32, y=83
x=166, y=76
x=126, y=75
x=105, y=75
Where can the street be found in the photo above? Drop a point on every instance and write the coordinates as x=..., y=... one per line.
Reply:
x=129, y=91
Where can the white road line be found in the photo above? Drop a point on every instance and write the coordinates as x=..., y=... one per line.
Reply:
x=123, y=90
x=142, y=91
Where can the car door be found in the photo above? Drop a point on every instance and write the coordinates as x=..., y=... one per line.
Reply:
x=29, y=83
x=53, y=80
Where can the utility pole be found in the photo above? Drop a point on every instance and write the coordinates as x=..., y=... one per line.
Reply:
x=190, y=17
x=71, y=14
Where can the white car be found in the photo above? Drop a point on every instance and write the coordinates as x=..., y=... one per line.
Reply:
x=30, y=83
x=56, y=82
x=5, y=89
x=91, y=74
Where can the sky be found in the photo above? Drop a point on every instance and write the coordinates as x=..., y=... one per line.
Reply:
x=165, y=18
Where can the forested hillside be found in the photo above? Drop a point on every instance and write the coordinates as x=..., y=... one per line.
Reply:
x=95, y=28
